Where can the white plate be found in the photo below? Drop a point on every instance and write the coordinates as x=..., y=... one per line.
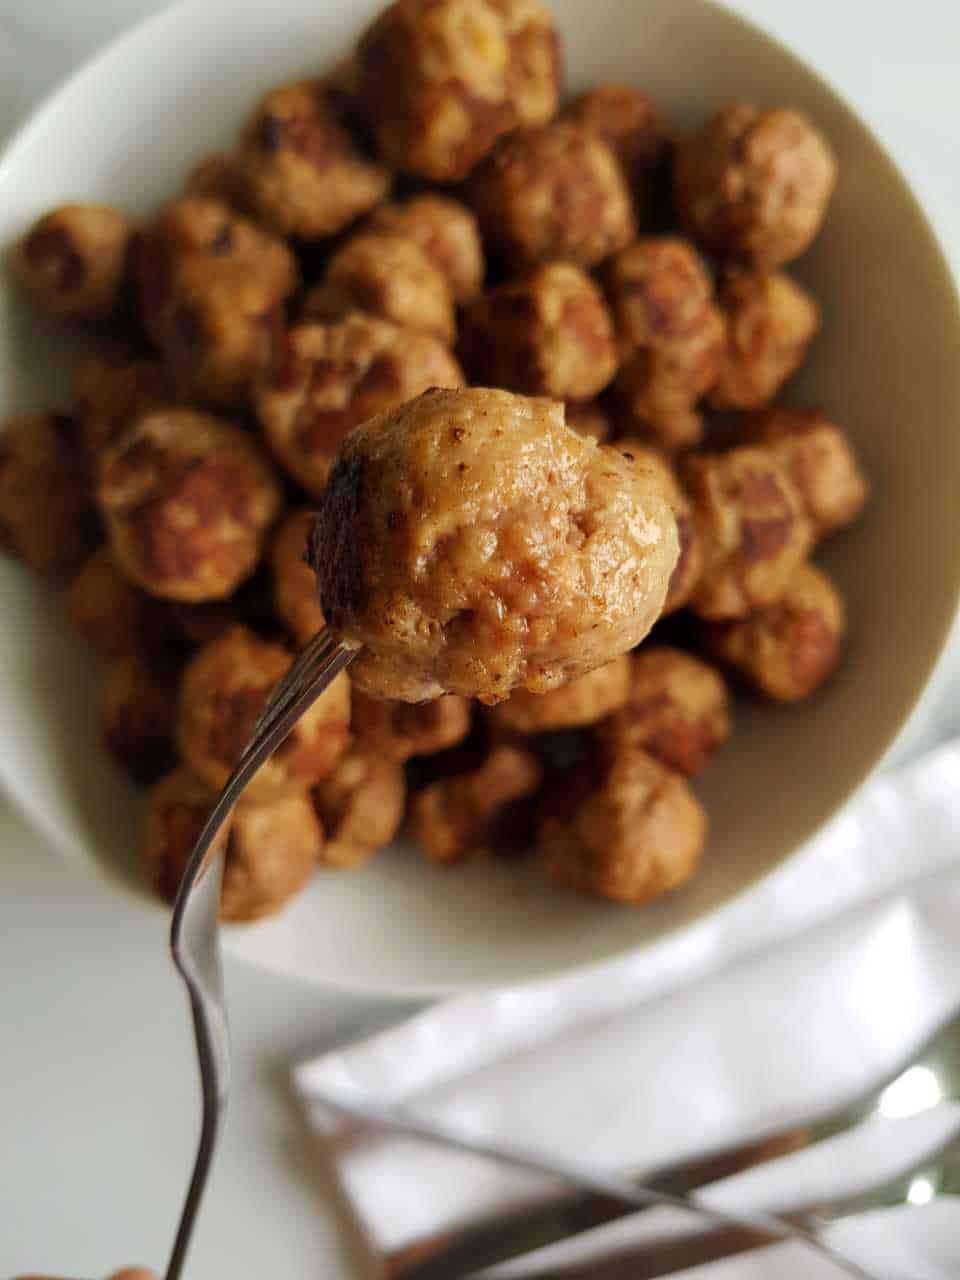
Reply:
x=127, y=128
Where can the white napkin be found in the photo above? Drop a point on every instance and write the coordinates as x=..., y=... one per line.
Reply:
x=806, y=989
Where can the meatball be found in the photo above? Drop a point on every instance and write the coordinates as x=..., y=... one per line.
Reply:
x=325, y=379
x=440, y=80
x=473, y=544
x=299, y=171
x=224, y=690
x=295, y=596
x=212, y=287
x=753, y=528
x=448, y=234
x=187, y=500
x=106, y=608
x=400, y=730
x=216, y=177
x=581, y=701
x=590, y=420
x=110, y=391
x=139, y=701
x=548, y=334
x=676, y=709
x=770, y=323
x=45, y=514
x=74, y=261
x=821, y=462
x=671, y=337
x=389, y=276
x=270, y=850
x=476, y=812
x=753, y=184
x=634, y=127
x=553, y=193
x=628, y=829
x=361, y=805
x=789, y=649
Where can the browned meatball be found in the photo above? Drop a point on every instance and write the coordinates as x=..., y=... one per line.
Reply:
x=671, y=337
x=628, y=829
x=753, y=526
x=360, y=803
x=187, y=500
x=106, y=608
x=549, y=334
x=753, y=184
x=399, y=730
x=441, y=80
x=581, y=701
x=271, y=849
x=110, y=391
x=821, y=462
x=139, y=704
x=224, y=690
x=632, y=124
x=789, y=649
x=472, y=813
x=299, y=171
x=590, y=420
x=45, y=513
x=473, y=544
x=215, y=178
x=770, y=323
x=74, y=260
x=325, y=379
x=295, y=595
x=389, y=276
x=212, y=287
x=676, y=709
x=553, y=193
x=448, y=234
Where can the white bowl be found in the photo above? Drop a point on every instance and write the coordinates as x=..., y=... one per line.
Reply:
x=127, y=128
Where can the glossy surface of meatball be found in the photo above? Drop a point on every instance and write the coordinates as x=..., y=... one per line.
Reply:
x=325, y=379
x=400, y=730
x=360, y=803
x=770, y=324
x=73, y=260
x=212, y=286
x=821, y=462
x=753, y=184
x=187, y=500
x=753, y=527
x=555, y=193
x=581, y=701
x=109, y=392
x=676, y=709
x=295, y=596
x=299, y=171
x=631, y=123
x=473, y=544
x=106, y=608
x=138, y=711
x=448, y=234
x=629, y=830
x=788, y=650
x=441, y=80
x=224, y=689
x=548, y=334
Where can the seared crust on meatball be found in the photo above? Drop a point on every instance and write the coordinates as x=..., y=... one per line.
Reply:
x=676, y=709
x=753, y=526
x=325, y=379
x=139, y=704
x=770, y=324
x=177, y=807
x=224, y=689
x=448, y=234
x=187, y=500
x=74, y=261
x=753, y=184
x=553, y=193
x=581, y=701
x=106, y=608
x=473, y=544
x=360, y=803
x=295, y=596
x=400, y=730
x=215, y=177
x=441, y=80
x=636, y=129
x=549, y=334
x=789, y=650
x=671, y=337
x=461, y=816
x=821, y=462
x=109, y=392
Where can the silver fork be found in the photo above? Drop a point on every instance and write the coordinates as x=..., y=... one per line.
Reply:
x=194, y=933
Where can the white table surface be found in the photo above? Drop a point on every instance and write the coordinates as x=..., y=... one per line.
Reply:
x=97, y=1096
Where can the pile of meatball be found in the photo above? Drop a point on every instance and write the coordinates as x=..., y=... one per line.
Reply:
x=434, y=213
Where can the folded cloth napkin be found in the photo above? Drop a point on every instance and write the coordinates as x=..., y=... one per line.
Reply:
x=792, y=998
